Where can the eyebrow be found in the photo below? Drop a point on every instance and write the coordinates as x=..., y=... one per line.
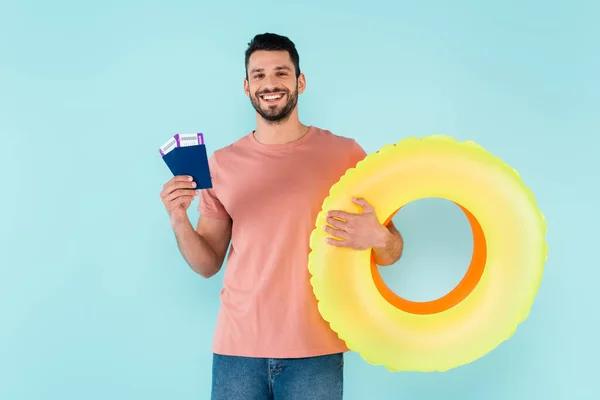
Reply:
x=278, y=68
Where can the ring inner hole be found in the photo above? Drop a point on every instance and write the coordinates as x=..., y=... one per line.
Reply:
x=442, y=261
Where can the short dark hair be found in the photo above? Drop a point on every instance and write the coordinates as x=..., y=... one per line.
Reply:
x=273, y=42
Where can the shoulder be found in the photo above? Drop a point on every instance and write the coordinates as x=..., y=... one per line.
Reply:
x=340, y=141
x=347, y=150
x=231, y=149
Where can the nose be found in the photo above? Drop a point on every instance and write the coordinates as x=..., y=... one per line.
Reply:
x=269, y=83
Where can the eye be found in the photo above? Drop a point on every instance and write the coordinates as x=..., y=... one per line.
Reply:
x=258, y=76
x=282, y=74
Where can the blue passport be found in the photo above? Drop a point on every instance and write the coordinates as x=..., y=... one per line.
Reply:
x=186, y=155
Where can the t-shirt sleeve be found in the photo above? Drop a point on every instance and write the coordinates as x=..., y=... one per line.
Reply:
x=357, y=153
x=209, y=204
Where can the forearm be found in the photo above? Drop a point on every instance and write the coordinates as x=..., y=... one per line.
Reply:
x=196, y=251
x=389, y=247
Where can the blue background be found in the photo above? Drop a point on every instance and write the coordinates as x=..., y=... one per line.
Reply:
x=96, y=301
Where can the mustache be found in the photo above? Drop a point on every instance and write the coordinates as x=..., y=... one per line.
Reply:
x=271, y=91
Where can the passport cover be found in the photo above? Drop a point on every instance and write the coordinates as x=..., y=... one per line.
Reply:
x=192, y=161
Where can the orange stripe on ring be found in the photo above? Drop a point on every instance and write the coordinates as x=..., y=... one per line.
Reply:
x=454, y=297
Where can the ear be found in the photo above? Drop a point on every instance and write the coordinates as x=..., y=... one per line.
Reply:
x=246, y=87
x=301, y=83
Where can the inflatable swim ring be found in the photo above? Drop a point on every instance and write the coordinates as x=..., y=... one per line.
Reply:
x=496, y=293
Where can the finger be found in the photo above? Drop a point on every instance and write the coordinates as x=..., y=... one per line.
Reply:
x=178, y=179
x=172, y=186
x=340, y=214
x=184, y=202
x=181, y=193
x=338, y=242
x=187, y=202
x=338, y=233
x=363, y=203
x=336, y=223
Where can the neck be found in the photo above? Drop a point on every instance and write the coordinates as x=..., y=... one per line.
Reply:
x=279, y=132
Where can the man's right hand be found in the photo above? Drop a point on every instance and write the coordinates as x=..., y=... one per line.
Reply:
x=177, y=195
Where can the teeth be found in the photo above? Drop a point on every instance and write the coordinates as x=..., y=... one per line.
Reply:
x=273, y=97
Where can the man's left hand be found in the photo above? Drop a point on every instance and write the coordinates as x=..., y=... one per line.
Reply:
x=356, y=231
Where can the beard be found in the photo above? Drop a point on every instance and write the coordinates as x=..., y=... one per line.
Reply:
x=272, y=113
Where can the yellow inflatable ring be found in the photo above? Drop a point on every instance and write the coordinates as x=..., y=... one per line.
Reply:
x=496, y=293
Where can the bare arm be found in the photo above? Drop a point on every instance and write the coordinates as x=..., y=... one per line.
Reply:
x=389, y=248
x=203, y=248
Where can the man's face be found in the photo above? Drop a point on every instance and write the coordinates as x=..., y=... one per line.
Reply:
x=272, y=85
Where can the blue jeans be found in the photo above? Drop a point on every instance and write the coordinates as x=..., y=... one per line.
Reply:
x=244, y=378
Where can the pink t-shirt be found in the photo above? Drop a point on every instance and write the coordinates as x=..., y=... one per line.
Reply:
x=273, y=194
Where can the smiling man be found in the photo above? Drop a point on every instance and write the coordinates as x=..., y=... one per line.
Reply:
x=268, y=187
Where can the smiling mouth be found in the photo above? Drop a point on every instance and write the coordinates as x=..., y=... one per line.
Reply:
x=272, y=97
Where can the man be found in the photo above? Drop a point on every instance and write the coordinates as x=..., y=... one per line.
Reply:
x=268, y=187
